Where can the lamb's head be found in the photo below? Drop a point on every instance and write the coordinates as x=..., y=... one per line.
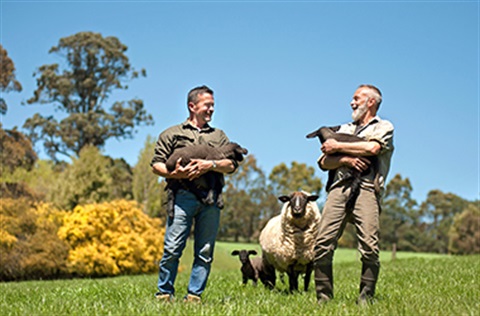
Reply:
x=323, y=133
x=243, y=254
x=298, y=202
x=235, y=151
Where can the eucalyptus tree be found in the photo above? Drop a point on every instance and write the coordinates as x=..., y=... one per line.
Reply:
x=80, y=86
x=398, y=213
x=148, y=189
x=244, y=195
x=8, y=81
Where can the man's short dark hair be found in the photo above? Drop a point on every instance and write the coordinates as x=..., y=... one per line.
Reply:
x=195, y=92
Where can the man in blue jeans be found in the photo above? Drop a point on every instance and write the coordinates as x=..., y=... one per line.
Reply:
x=187, y=208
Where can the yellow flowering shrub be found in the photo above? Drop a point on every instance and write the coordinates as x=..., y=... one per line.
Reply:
x=29, y=245
x=112, y=238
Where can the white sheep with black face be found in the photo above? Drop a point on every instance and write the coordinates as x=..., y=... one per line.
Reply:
x=288, y=240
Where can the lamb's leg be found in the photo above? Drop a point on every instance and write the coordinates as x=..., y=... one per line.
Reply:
x=170, y=202
x=308, y=275
x=209, y=199
x=220, y=202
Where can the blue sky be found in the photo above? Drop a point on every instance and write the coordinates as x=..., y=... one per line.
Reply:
x=280, y=69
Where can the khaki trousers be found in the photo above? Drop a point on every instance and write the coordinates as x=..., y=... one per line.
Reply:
x=365, y=217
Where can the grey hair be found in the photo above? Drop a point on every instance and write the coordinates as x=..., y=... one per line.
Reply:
x=373, y=92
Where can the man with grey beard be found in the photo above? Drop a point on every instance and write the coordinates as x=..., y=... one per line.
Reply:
x=365, y=216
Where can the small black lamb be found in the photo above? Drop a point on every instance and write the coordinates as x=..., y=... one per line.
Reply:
x=210, y=182
x=324, y=133
x=251, y=268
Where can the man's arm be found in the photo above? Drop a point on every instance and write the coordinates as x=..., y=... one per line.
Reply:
x=338, y=154
x=330, y=162
x=365, y=148
x=194, y=169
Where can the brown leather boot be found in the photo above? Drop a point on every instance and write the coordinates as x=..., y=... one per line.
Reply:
x=368, y=281
x=324, y=283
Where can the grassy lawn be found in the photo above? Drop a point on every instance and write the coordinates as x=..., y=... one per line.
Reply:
x=414, y=284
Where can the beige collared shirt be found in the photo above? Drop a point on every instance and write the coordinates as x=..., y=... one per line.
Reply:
x=377, y=130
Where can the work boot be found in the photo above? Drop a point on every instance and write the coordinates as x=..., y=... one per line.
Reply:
x=368, y=281
x=324, y=283
x=161, y=297
x=191, y=298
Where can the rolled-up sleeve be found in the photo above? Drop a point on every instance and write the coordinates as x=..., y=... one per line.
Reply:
x=383, y=134
x=163, y=148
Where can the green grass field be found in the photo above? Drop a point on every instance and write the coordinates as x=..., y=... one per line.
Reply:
x=414, y=284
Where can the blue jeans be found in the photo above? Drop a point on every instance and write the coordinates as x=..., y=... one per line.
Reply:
x=207, y=218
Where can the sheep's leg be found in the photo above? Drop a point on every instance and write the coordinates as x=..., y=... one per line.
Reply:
x=269, y=276
x=308, y=274
x=292, y=278
x=244, y=280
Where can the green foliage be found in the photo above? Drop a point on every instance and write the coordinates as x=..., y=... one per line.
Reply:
x=464, y=233
x=92, y=178
x=16, y=151
x=399, y=215
x=440, y=209
x=29, y=245
x=298, y=177
x=39, y=180
x=244, y=194
x=111, y=238
x=86, y=180
x=93, y=68
x=146, y=188
x=8, y=82
x=443, y=286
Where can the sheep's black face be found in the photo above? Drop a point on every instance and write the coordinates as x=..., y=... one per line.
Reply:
x=298, y=202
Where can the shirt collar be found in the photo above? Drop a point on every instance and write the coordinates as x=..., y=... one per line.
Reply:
x=189, y=125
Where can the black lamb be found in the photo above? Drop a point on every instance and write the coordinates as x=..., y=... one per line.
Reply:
x=325, y=133
x=208, y=187
x=252, y=269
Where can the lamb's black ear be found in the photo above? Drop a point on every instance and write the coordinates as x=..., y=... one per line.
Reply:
x=314, y=134
x=252, y=252
x=312, y=198
x=284, y=198
x=235, y=253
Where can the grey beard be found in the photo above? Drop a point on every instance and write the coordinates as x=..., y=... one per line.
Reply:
x=360, y=111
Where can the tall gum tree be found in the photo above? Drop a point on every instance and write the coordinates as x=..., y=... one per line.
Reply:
x=80, y=86
x=8, y=81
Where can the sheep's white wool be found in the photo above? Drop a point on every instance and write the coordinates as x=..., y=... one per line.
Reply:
x=286, y=240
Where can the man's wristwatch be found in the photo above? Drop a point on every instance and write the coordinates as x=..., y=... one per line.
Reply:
x=214, y=165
